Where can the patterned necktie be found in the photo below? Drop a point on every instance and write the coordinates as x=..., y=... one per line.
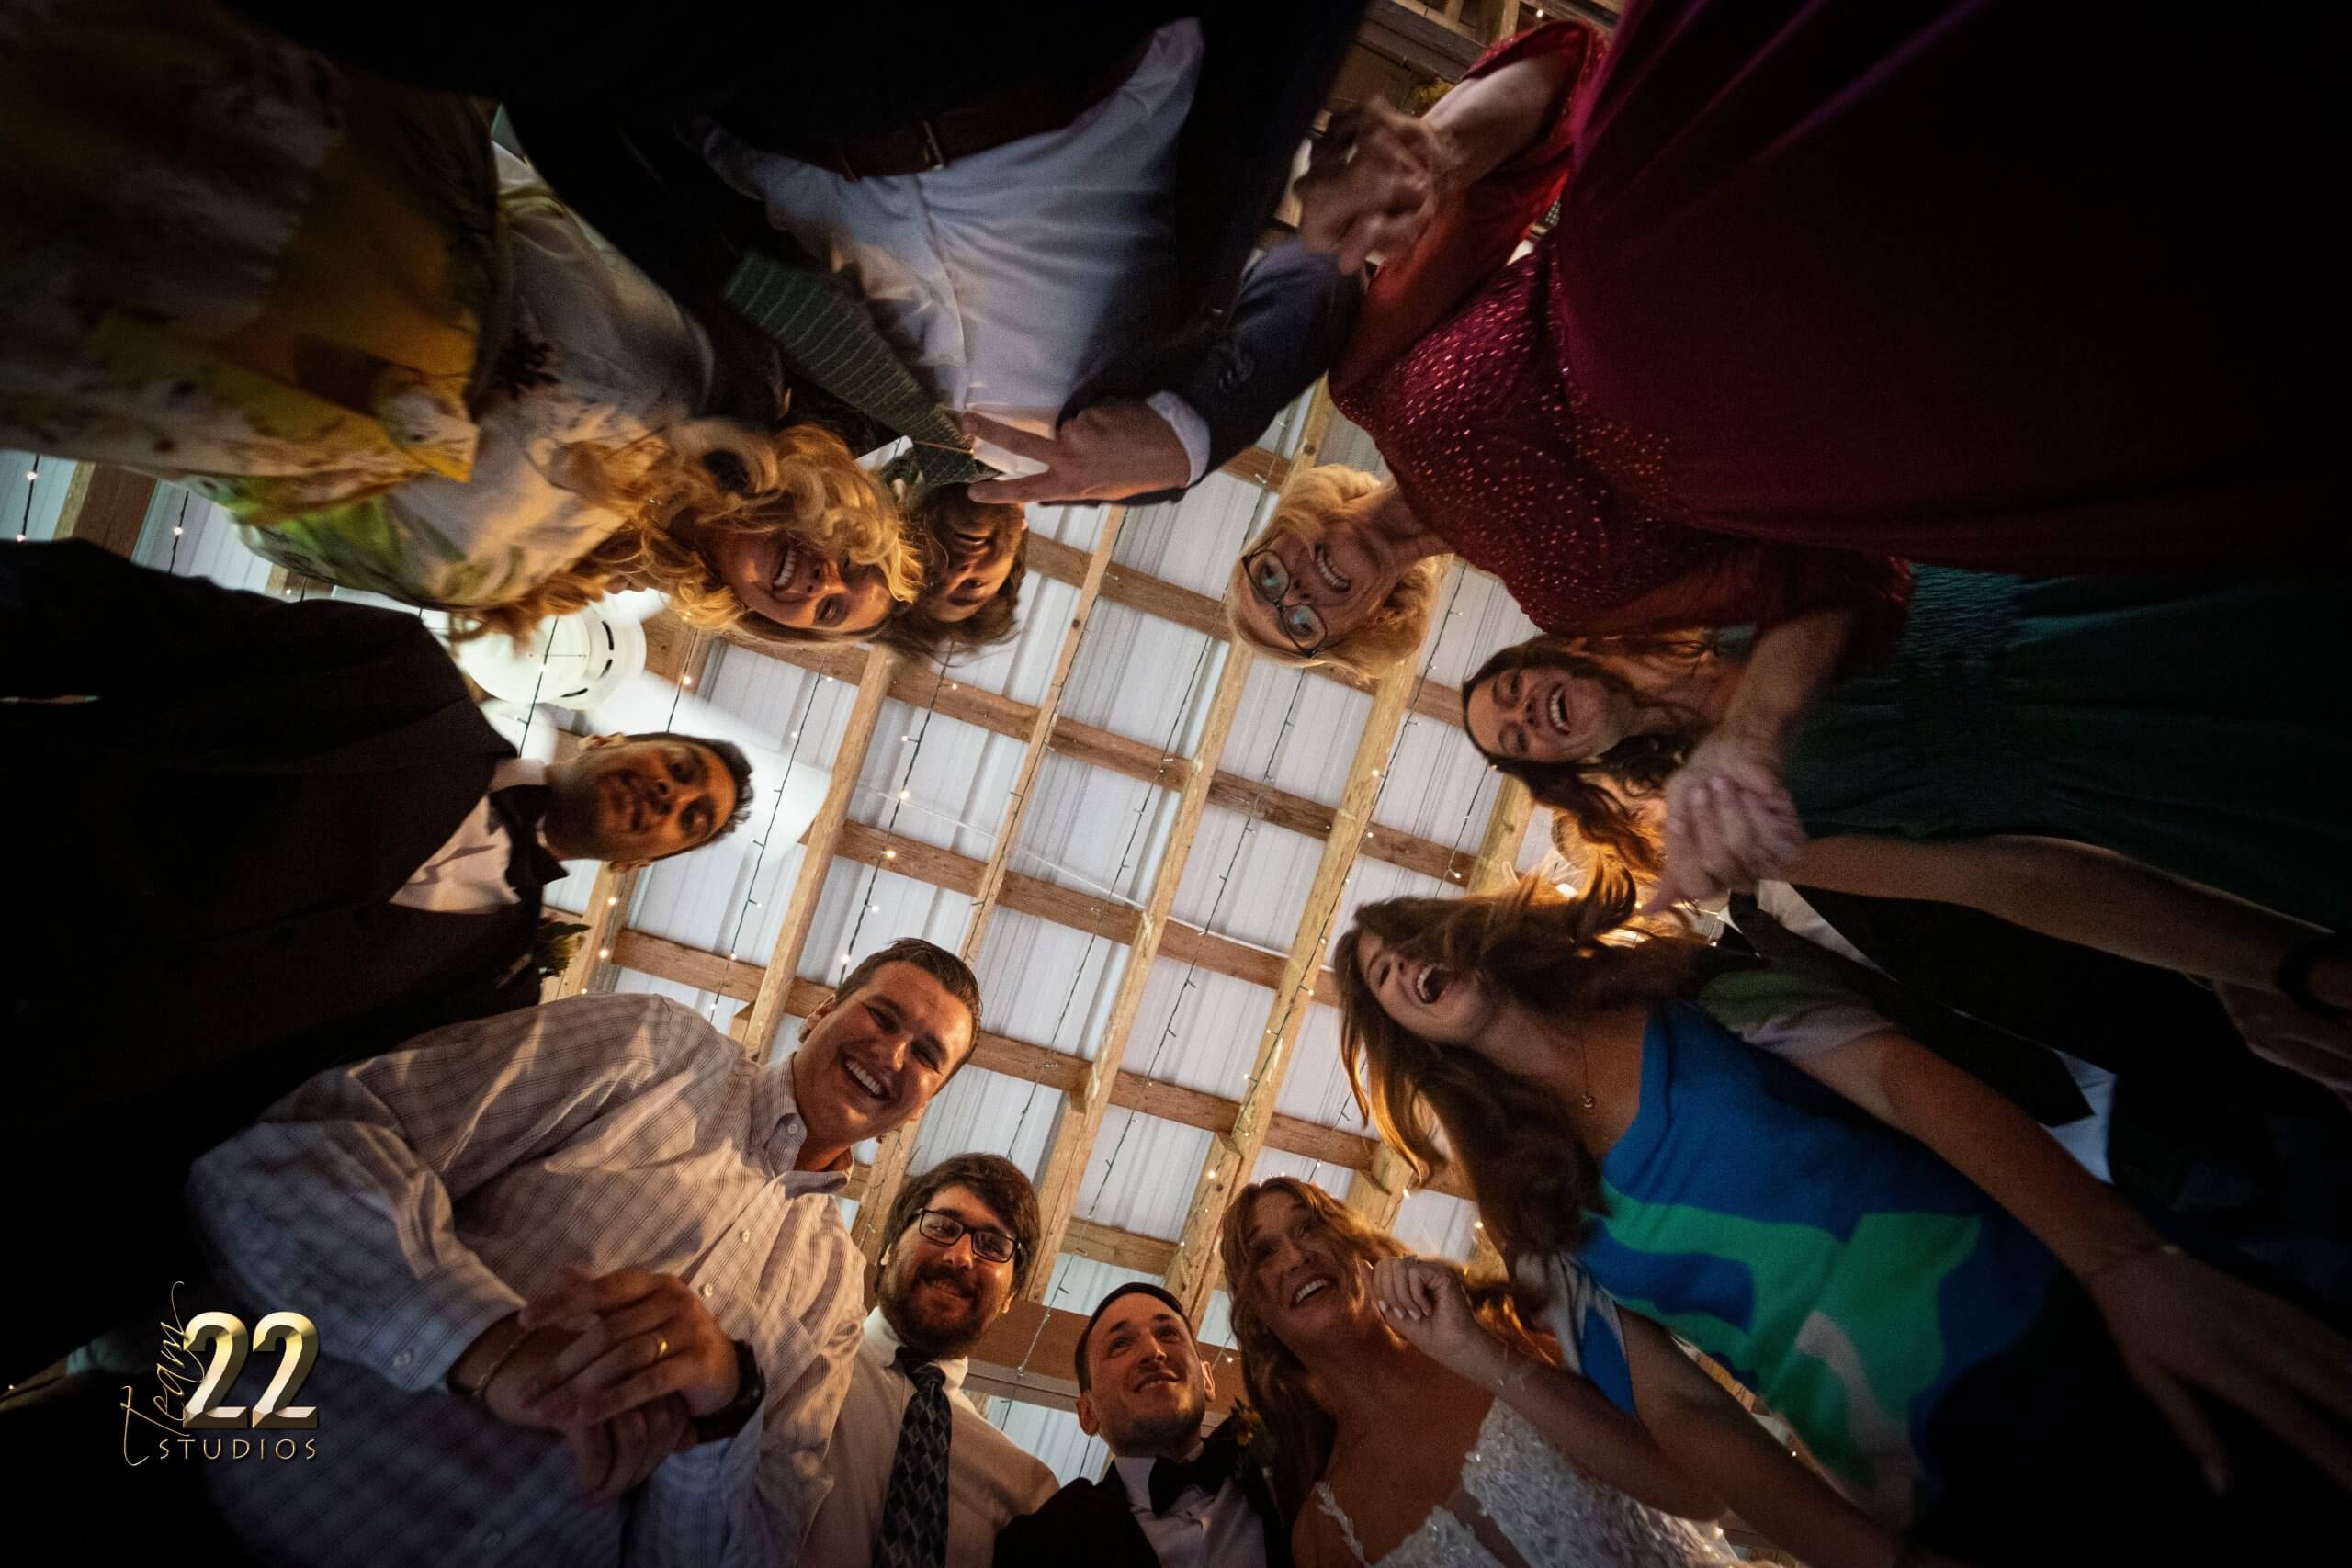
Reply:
x=519, y=809
x=914, y=1511
x=826, y=333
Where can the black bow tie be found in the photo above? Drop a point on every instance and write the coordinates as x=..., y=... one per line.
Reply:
x=520, y=808
x=1172, y=1478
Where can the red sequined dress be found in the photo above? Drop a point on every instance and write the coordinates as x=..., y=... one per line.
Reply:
x=1802, y=320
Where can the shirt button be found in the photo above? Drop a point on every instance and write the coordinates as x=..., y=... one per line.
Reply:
x=405, y=1358
x=742, y=1236
x=706, y=1290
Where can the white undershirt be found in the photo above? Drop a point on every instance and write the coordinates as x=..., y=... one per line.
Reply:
x=1007, y=276
x=467, y=874
x=1198, y=1530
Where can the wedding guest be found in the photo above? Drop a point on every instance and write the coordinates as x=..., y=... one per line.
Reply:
x=1515, y=1459
x=2061, y=707
x=919, y=1476
x=293, y=824
x=1176, y=1497
x=1988, y=1350
x=1760, y=360
x=1045, y=213
x=596, y=1227
x=975, y=559
x=2057, y=708
x=388, y=350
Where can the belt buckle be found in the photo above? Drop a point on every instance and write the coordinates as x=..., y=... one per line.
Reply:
x=931, y=146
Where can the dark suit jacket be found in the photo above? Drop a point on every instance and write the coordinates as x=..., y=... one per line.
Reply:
x=600, y=104
x=1089, y=1524
x=206, y=855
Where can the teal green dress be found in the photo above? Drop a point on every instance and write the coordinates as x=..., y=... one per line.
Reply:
x=2198, y=726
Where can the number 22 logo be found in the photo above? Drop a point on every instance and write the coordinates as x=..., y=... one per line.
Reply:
x=226, y=1333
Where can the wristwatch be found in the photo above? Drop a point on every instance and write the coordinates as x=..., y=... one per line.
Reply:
x=751, y=1392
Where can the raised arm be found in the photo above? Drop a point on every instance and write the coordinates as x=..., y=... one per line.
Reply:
x=1424, y=1301
x=2073, y=891
x=1704, y=1430
x=2178, y=1323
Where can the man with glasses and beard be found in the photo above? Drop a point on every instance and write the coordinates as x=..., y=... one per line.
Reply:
x=920, y=1477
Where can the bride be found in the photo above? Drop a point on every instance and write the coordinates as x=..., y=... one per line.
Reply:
x=1416, y=1426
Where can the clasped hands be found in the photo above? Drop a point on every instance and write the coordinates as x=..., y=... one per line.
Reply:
x=1730, y=822
x=620, y=1364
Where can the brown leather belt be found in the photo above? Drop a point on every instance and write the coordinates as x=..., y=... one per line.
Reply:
x=1029, y=109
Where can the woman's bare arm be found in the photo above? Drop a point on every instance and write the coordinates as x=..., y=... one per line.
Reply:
x=2075, y=892
x=1703, y=1429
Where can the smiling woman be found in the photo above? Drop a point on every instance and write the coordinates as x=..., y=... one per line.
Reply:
x=1332, y=1362
x=1341, y=574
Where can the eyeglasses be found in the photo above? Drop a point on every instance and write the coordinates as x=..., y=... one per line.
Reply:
x=1269, y=579
x=988, y=1244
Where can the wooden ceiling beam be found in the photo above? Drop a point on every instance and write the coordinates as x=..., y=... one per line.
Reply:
x=1080, y=1117
x=1234, y=1156
x=817, y=855
x=896, y=1150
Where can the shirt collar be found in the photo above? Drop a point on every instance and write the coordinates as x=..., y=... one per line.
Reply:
x=884, y=1342
x=777, y=1131
x=1135, y=1472
x=513, y=771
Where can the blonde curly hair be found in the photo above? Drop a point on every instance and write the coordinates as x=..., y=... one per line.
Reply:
x=1313, y=500
x=694, y=483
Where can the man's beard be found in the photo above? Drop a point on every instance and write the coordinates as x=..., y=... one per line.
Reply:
x=932, y=1329
x=1169, y=1432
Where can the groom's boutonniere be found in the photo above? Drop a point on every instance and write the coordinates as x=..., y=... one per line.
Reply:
x=554, y=945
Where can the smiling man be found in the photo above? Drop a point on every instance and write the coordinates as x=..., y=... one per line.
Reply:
x=581, y=1284
x=920, y=1477
x=290, y=839
x=1174, y=1499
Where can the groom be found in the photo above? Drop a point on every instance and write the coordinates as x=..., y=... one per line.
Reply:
x=1174, y=1499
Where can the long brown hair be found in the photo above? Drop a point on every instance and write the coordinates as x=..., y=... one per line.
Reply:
x=949, y=531
x=1280, y=1391
x=1533, y=1180
x=679, y=490
x=1604, y=797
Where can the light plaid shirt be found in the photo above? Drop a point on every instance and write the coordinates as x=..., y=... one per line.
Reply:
x=408, y=1202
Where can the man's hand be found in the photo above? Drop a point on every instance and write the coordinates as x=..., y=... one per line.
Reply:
x=1371, y=184
x=641, y=1336
x=1109, y=452
x=617, y=1456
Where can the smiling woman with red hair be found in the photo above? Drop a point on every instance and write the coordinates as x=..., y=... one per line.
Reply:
x=1515, y=1461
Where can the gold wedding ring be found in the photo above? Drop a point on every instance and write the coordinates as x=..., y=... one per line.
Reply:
x=661, y=1349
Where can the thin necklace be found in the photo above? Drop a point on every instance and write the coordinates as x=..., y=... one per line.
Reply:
x=1584, y=1060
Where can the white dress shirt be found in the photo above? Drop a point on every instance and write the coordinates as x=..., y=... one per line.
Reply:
x=1006, y=276
x=467, y=874
x=407, y=1202
x=992, y=1480
x=1198, y=1530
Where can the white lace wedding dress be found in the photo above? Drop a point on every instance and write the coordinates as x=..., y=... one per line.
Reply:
x=1520, y=1505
